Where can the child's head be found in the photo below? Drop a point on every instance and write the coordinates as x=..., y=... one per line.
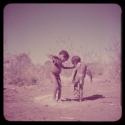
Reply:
x=63, y=55
x=75, y=60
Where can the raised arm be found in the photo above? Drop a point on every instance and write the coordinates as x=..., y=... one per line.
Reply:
x=51, y=56
x=55, y=59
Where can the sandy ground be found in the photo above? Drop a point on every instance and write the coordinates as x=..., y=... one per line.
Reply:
x=101, y=102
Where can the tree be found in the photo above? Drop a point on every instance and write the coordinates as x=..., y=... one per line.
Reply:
x=19, y=70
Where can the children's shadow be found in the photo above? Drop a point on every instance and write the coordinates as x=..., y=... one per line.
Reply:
x=93, y=97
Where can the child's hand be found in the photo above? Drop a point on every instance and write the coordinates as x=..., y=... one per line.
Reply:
x=50, y=56
x=53, y=58
x=73, y=80
x=75, y=86
x=74, y=65
x=91, y=80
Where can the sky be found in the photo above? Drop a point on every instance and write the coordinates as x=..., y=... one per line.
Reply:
x=42, y=29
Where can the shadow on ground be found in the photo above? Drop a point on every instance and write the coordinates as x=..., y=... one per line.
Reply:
x=93, y=97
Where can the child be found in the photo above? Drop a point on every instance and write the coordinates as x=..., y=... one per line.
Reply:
x=79, y=74
x=56, y=70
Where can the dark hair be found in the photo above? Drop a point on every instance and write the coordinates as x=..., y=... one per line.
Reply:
x=75, y=59
x=65, y=53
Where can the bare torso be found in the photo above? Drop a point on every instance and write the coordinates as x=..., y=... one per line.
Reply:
x=56, y=66
x=81, y=69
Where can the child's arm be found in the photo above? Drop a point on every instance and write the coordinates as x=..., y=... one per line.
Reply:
x=67, y=67
x=74, y=75
x=55, y=59
x=51, y=56
x=75, y=71
x=89, y=73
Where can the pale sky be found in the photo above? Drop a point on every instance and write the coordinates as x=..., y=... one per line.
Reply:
x=42, y=29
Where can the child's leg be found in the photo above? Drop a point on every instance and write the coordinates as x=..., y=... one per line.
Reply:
x=75, y=86
x=59, y=88
x=81, y=93
x=81, y=89
x=55, y=92
x=55, y=82
x=59, y=92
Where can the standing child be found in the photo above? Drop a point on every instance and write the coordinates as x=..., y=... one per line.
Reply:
x=79, y=74
x=56, y=70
